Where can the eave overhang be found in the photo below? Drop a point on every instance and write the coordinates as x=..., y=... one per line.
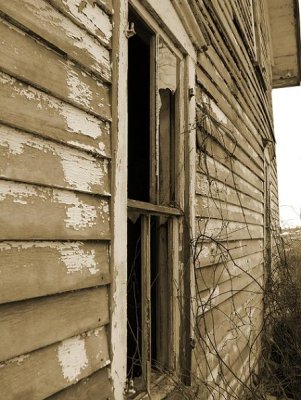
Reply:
x=285, y=33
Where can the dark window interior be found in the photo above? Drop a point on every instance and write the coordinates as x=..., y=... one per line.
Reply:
x=139, y=111
x=139, y=183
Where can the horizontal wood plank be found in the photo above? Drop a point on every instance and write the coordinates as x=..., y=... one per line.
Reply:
x=221, y=292
x=47, y=116
x=89, y=16
x=224, y=231
x=209, y=277
x=215, y=252
x=106, y=5
x=28, y=59
x=96, y=387
x=27, y=158
x=30, y=325
x=34, y=269
x=41, y=18
x=222, y=191
x=49, y=214
x=215, y=170
x=40, y=374
x=213, y=208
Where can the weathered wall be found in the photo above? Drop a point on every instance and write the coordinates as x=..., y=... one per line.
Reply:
x=55, y=83
x=233, y=118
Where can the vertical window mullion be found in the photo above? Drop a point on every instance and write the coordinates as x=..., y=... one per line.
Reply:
x=146, y=300
x=154, y=122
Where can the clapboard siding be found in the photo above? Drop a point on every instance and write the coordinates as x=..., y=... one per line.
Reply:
x=46, y=213
x=48, y=116
x=223, y=291
x=41, y=18
x=70, y=168
x=212, y=253
x=208, y=277
x=224, y=230
x=55, y=188
x=48, y=320
x=234, y=116
x=21, y=55
x=89, y=16
x=44, y=372
x=96, y=387
x=219, y=190
x=218, y=172
x=229, y=340
x=35, y=269
x=216, y=209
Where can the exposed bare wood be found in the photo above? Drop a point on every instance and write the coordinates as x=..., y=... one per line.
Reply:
x=70, y=168
x=214, y=253
x=42, y=19
x=95, y=387
x=34, y=269
x=146, y=301
x=44, y=372
x=152, y=209
x=214, y=208
x=45, y=213
x=47, y=116
x=89, y=16
x=222, y=191
x=48, y=320
x=223, y=230
x=118, y=262
x=22, y=57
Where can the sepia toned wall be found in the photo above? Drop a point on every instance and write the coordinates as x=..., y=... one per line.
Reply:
x=55, y=152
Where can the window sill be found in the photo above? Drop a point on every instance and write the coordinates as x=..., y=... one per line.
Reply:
x=161, y=387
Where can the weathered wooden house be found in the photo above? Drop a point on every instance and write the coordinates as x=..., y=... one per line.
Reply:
x=137, y=194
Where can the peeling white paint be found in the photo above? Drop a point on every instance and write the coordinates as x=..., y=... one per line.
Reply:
x=83, y=173
x=79, y=215
x=16, y=360
x=167, y=69
x=220, y=116
x=79, y=91
x=94, y=18
x=19, y=192
x=13, y=142
x=209, y=301
x=79, y=122
x=73, y=358
x=77, y=260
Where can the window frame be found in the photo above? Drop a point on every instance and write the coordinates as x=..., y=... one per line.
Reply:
x=162, y=17
x=174, y=213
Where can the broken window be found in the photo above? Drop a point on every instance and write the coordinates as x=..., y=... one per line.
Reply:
x=153, y=215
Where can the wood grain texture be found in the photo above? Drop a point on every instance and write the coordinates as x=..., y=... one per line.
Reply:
x=44, y=372
x=46, y=213
x=70, y=168
x=95, y=387
x=30, y=60
x=224, y=291
x=214, y=253
x=222, y=191
x=89, y=16
x=29, y=325
x=215, y=170
x=41, y=18
x=34, y=269
x=227, y=269
x=217, y=209
x=222, y=230
x=47, y=116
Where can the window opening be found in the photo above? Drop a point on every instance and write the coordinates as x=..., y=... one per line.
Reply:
x=152, y=194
